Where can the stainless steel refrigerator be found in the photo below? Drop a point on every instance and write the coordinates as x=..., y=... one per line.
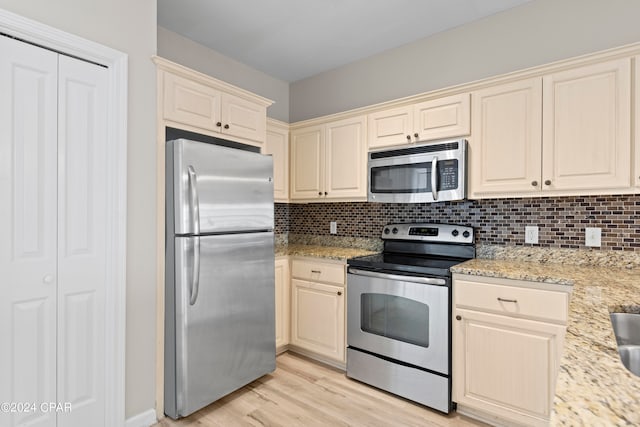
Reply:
x=219, y=298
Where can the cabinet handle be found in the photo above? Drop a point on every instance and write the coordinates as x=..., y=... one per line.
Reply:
x=534, y=183
x=326, y=194
x=458, y=317
x=507, y=300
x=415, y=135
x=339, y=293
x=547, y=182
x=226, y=126
x=219, y=124
x=316, y=271
x=408, y=137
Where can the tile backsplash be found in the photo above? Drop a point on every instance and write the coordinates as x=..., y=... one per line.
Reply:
x=561, y=220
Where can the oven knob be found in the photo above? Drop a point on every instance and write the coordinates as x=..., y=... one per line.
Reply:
x=386, y=230
x=394, y=231
x=465, y=234
x=454, y=233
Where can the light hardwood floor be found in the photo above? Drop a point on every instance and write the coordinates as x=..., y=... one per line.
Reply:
x=302, y=392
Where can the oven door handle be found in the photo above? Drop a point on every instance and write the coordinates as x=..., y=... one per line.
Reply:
x=415, y=279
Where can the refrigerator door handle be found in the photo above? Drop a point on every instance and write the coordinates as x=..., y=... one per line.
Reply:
x=195, y=283
x=194, y=203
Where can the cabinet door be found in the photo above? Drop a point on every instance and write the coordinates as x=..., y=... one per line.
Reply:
x=307, y=163
x=282, y=302
x=191, y=103
x=442, y=118
x=390, y=127
x=505, y=149
x=506, y=366
x=243, y=119
x=277, y=144
x=317, y=318
x=637, y=122
x=587, y=128
x=346, y=159
x=28, y=226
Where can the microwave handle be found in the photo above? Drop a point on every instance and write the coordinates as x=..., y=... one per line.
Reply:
x=434, y=178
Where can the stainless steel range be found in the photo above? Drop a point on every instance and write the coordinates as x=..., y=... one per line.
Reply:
x=399, y=311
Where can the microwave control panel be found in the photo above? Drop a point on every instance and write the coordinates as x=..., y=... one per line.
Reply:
x=448, y=174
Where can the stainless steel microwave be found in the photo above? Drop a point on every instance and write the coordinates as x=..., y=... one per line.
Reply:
x=418, y=173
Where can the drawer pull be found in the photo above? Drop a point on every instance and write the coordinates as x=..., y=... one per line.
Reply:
x=458, y=317
x=316, y=271
x=507, y=300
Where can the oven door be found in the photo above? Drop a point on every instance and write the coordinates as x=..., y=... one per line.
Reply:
x=405, y=318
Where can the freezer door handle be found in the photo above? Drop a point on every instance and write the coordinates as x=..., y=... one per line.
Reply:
x=194, y=204
x=195, y=282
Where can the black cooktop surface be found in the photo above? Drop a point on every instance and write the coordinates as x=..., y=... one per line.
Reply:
x=419, y=265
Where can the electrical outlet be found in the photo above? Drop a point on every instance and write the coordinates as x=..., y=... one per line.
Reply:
x=531, y=234
x=333, y=227
x=592, y=236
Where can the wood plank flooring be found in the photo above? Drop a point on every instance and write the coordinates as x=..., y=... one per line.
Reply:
x=302, y=392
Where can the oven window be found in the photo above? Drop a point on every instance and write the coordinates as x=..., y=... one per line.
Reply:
x=395, y=317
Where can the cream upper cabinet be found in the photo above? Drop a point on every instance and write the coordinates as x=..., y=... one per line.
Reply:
x=434, y=119
x=318, y=308
x=507, y=345
x=282, y=292
x=329, y=161
x=505, y=147
x=277, y=144
x=199, y=103
x=587, y=127
x=565, y=133
x=307, y=163
x=637, y=123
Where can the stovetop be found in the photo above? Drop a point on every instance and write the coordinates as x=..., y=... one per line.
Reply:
x=418, y=265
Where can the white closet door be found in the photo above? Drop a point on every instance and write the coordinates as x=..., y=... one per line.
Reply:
x=82, y=242
x=27, y=232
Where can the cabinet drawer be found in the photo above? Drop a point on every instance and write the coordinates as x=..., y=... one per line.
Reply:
x=318, y=271
x=512, y=300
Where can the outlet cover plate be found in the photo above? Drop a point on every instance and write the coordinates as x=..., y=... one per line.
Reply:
x=333, y=227
x=592, y=237
x=531, y=234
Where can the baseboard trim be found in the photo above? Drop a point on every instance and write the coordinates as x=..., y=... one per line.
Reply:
x=143, y=419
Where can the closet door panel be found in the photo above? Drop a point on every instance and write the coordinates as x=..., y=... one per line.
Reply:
x=82, y=205
x=28, y=231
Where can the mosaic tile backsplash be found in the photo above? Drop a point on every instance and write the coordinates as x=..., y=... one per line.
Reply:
x=561, y=220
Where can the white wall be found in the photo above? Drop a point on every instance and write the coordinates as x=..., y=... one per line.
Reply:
x=128, y=26
x=184, y=51
x=535, y=33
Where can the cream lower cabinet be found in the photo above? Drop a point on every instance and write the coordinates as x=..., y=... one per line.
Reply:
x=329, y=161
x=318, y=309
x=434, y=119
x=283, y=304
x=565, y=133
x=507, y=344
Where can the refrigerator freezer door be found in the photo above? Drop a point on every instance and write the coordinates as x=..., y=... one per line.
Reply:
x=228, y=189
x=226, y=338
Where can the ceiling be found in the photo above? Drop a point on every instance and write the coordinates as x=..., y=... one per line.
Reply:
x=295, y=39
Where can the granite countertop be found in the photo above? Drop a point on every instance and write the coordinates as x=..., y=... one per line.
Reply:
x=593, y=387
x=320, y=251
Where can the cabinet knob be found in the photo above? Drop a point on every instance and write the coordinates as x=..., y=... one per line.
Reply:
x=458, y=317
x=339, y=293
x=534, y=183
x=226, y=126
x=319, y=193
x=326, y=194
x=408, y=137
x=415, y=135
x=219, y=124
x=48, y=279
x=547, y=182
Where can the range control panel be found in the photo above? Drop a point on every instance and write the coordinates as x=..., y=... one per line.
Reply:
x=443, y=233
